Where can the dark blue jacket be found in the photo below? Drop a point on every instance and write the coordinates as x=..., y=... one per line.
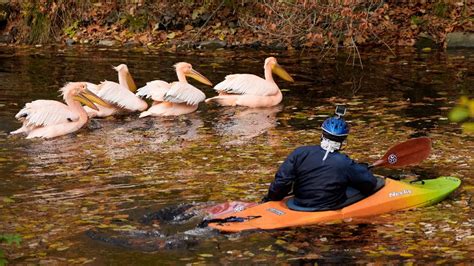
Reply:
x=318, y=183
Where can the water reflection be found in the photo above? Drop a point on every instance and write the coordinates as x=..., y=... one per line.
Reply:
x=144, y=135
x=238, y=125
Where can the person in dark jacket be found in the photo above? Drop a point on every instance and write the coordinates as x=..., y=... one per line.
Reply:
x=320, y=175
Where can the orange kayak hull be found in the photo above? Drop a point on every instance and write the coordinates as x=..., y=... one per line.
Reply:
x=395, y=195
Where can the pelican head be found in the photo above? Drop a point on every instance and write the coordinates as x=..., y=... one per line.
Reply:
x=123, y=73
x=272, y=63
x=121, y=67
x=78, y=91
x=188, y=71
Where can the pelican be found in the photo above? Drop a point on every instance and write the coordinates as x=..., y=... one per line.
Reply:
x=174, y=98
x=120, y=96
x=251, y=90
x=49, y=119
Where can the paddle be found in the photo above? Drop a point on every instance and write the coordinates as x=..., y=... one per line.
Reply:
x=410, y=152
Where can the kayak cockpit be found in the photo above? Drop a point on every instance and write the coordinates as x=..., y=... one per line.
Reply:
x=353, y=195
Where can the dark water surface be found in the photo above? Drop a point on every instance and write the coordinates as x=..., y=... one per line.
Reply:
x=115, y=169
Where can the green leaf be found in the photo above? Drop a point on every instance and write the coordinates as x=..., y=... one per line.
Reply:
x=416, y=20
x=71, y=30
x=458, y=114
x=3, y=261
x=9, y=239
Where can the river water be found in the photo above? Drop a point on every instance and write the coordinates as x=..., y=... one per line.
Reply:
x=114, y=170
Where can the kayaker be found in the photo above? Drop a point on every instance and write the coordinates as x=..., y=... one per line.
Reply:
x=320, y=175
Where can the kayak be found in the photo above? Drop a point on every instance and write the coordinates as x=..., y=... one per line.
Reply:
x=392, y=196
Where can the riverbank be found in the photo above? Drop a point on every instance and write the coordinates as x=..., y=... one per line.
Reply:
x=235, y=24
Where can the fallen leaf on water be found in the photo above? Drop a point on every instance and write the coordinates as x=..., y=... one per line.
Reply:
x=280, y=242
x=291, y=248
x=8, y=200
x=171, y=35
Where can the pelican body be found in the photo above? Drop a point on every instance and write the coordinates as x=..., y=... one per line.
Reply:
x=49, y=119
x=120, y=96
x=251, y=90
x=176, y=98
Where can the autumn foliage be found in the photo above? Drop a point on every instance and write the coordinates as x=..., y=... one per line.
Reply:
x=274, y=23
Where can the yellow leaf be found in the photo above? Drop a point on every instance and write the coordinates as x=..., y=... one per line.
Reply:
x=120, y=216
x=471, y=108
x=171, y=35
x=280, y=242
x=468, y=127
x=463, y=100
x=62, y=248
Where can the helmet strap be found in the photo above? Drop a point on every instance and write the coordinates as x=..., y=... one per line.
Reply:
x=330, y=146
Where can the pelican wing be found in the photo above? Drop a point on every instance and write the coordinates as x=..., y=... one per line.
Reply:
x=155, y=90
x=92, y=87
x=46, y=113
x=119, y=95
x=247, y=84
x=181, y=92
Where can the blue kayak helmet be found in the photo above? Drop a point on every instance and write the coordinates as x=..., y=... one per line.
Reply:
x=335, y=128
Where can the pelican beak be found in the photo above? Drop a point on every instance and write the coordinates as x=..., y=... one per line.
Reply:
x=277, y=69
x=130, y=82
x=198, y=76
x=91, y=98
x=82, y=99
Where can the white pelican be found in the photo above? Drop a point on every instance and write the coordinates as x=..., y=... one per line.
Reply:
x=174, y=98
x=49, y=119
x=120, y=96
x=251, y=90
